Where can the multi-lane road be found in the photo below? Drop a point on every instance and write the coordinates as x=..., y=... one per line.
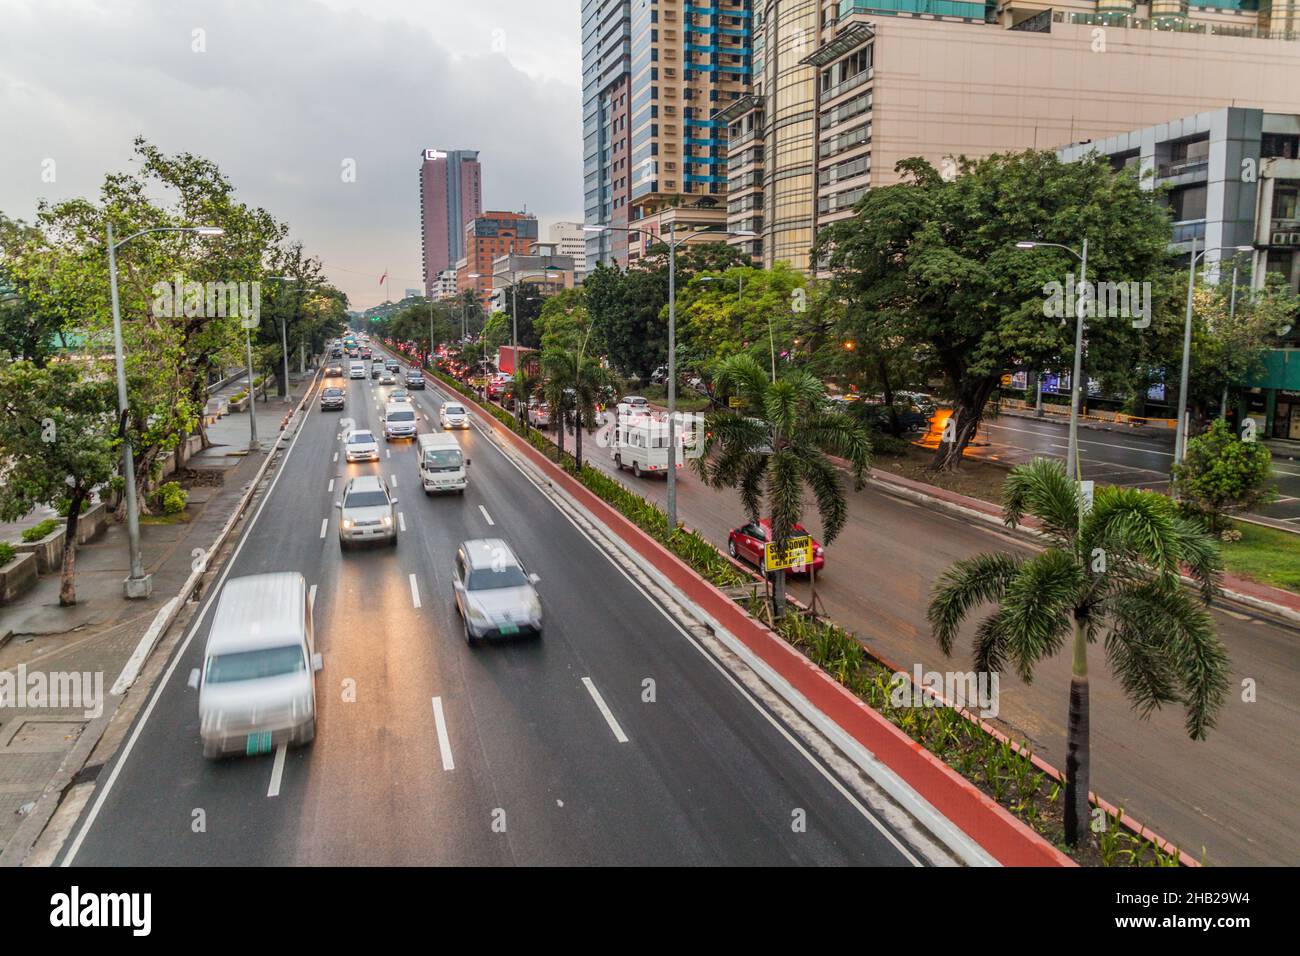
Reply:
x=1234, y=793
x=431, y=752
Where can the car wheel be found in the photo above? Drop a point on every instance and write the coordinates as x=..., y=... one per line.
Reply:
x=211, y=751
x=308, y=734
x=469, y=637
x=636, y=468
x=618, y=462
x=731, y=547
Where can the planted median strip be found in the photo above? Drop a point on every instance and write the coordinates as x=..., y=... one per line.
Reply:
x=1004, y=770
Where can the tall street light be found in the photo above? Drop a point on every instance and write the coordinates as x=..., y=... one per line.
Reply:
x=672, y=340
x=284, y=338
x=138, y=584
x=1180, y=435
x=1076, y=386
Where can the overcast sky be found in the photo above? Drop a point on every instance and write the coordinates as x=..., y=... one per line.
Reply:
x=285, y=92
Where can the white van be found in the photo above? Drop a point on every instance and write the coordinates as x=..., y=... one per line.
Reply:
x=257, y=685
x=639, y=440
x=442, y=464
x=399, y=420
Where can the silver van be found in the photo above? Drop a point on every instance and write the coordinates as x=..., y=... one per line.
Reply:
x=442, y=464
x=257, y=685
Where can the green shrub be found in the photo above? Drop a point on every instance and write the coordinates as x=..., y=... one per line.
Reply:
x=1220, y=474
x=173, y=498
x=7, y=553
x=38, y=531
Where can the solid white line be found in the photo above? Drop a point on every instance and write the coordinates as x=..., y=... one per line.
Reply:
x=179, y=655
x=487, y=516
x=331, y=487
x=324, y=526
x=415, y=592
x=277, y=771
x=604, y=709
x=444, y=742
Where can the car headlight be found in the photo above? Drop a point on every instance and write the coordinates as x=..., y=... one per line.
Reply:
x=387, y=521
x=476, y=614
x=347, y=523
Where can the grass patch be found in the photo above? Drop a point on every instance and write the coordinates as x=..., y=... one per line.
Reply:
x=687, y=400
x=975, y=478
x=1267, y=555
x=180, y=517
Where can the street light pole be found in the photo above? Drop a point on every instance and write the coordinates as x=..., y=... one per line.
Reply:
x=138, y=584
x=253, y=443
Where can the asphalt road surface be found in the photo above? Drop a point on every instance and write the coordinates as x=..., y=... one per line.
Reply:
x=499, y=754
x=1234, y=794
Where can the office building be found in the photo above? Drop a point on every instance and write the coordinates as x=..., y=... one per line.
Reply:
x=486, y=239
x=845, y=89
x=451, y=195
x=570, y=240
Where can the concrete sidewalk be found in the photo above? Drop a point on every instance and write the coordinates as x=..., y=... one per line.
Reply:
x=97, y=636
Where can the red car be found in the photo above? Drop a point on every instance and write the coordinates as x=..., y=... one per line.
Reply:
x=749, y=542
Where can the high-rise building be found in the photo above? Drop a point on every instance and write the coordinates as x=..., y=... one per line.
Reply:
x=656, y=73
x=569, y=239
x=487, y=238
x=451, y=195
x=845, y=89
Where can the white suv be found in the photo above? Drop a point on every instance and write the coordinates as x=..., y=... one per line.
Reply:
x=356, y=370
x=453, y=415
x=366, y=512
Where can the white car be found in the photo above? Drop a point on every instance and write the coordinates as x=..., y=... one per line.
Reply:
x=366, y=512
x=359, y=445
x=356, y=370
x=495, y=596
x=453, y=415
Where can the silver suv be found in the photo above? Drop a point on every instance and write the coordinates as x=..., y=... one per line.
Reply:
x=366, y=512
x=495, y=597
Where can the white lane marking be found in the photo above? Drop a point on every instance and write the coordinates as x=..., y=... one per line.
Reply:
x=324, y=526
x=415, y=592
x=336, y=456
x=444, y=742
x=1086, y=441
x=605, y=711
x=311, y=597
x=401, y=521
x=102, y=796
x=392, y=479
x=277, y=771
x=331, y=487
x=486, y=516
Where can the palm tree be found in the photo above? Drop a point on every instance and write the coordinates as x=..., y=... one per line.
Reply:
x=780, y=443
x=1111, y=572
x=522, y=387
x=574, y=384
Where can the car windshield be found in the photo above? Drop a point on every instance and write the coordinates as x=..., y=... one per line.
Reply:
x=254, y=665
x=401, y=416
x=332, y=392
x=366, y=499
x=455, y=409
x=361, y=438
x=487, y=579
x=443, y=458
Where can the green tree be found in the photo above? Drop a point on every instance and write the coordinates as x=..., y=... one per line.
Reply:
x=778, y=443
x=57, y=432
x=1220, y=474
x=744, y=309
x=563, y=322
x=935, y=263
x=575, y=383
x=1111, y=572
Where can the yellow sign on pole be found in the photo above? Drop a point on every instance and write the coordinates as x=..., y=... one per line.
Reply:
x=734, y=402
x=798, y=554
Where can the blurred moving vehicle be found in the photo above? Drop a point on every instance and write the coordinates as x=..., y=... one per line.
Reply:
x=495, y=596
x=399, y=421
x=453, y=415
x=257, y=687
x=442, y=463
x=359, y=445
x=331, y=399
x=749, y=543
x=366, y=512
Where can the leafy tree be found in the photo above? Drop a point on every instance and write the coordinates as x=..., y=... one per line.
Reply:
x=935, y=264
x=1111, y=572
x=564, y=321
x=575, y=383
x=743, y=309
x=778, y=443
x=29, y=328
x=1221, y=473
x=57, y=432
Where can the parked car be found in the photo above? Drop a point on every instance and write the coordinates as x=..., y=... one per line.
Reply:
x=636, y=401
x=257, y=687
x=359, y=445
x=366, y=512
x=495, y=596
x=749, y=543
x=331, y=399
